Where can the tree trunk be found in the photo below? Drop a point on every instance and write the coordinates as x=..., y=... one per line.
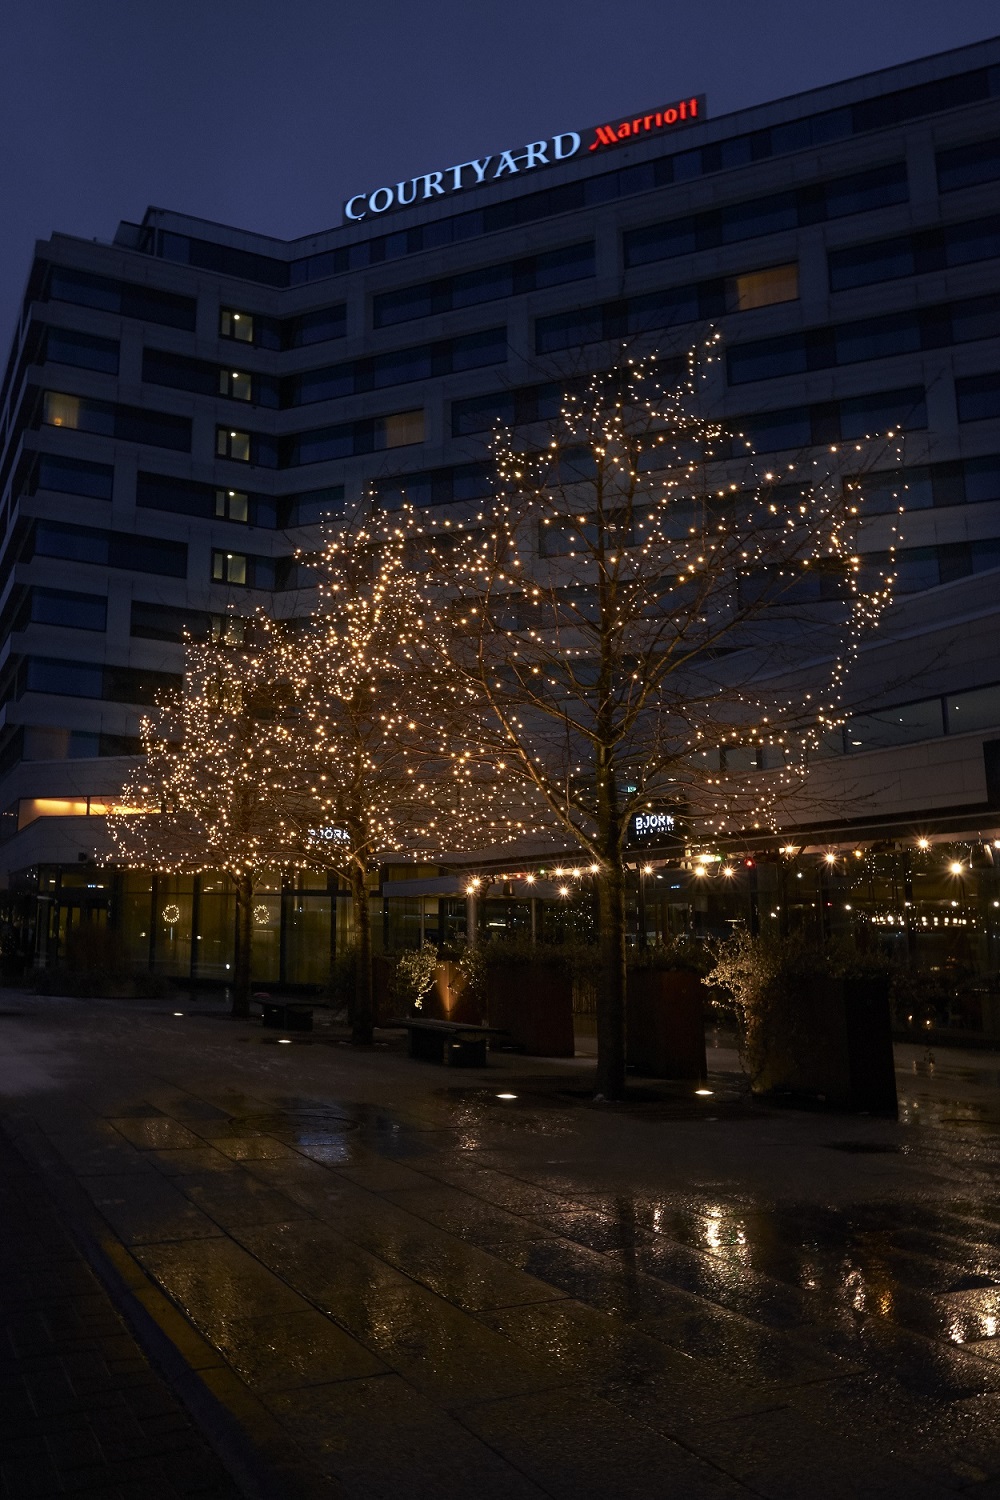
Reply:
x=362, y=1018
x=611, y=985
x=244, y=946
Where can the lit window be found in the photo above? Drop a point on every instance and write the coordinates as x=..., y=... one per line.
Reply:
x=229, y=567
x=232, y=505
x=403, y=429
x=764, y=288
x=227, y=628
x=234, y=445
x=236, y=384
x=236, y=325
x=61, y=411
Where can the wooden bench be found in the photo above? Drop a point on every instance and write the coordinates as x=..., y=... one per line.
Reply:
x=453, y=1043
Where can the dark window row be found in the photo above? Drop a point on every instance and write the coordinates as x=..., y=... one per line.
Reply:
x=32, y=742
x=631, y=316
x=462, y=482
x=487, y=284
x=795, y=135
x=824, y=422
x=166, y=622
x=867, y=339
x=797, y=427
x=205, y=377
x=914, y=254
x=109, y=549
x=445, y=357
x=968, y=166
x=72, y=476
x=978, y=397
x=511, y=408
x=133, y=424
x=813, y=203
x=316, y=327
x=186, y=497
x=348, y=439
x=962, y=481
x=311, y=507
x=397, y=367
x=62, y=607
x=130, y=300
x=918, y=568
x=64, y=346
x=244, y=571
x=69, y=679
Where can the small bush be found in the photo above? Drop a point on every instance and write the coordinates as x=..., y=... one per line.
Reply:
x=413, y=976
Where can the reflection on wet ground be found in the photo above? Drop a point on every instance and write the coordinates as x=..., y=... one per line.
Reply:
x=414, y=1282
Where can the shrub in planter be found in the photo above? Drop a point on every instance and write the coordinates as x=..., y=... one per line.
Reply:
x=97, y=967
x=527, y=991
x=814, y=1024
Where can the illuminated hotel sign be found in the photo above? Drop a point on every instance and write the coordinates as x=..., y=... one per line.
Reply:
x=547, y=153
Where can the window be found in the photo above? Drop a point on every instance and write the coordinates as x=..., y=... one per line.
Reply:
x=70, y=679
x=977, y=709
x=232, y=505
x=234, y=445
x=236, y=325
x=895, y=726
x=833, y=421
x=978, y=397
x=764, y=288
x=59, y=744
x=812, y=204
x=236, y=384
x=229, y=567
x=132, y=423
x=78, y=611
x=914, y=254
x=464, y=482
x=403, y=429
x=65, y=347
x=84, y=289
x=313, y=507
x=469, y=352
x=110, y=549
x=551, y=268
x=73, y=476
x=967, y=166
x=315, y=327
x=61, y=411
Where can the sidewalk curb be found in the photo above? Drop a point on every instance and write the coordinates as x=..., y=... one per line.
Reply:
x=268, y=1466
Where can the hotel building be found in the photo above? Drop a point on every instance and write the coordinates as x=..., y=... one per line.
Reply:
x=183, y=406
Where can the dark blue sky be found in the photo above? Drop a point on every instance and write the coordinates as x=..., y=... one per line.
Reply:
x=268, y=113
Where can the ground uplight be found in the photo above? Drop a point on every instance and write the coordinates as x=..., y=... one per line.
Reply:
x=506, y=1096
x=704, y=1091
x=284, y=1041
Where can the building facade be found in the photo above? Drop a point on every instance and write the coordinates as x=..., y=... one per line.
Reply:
x=183, y=407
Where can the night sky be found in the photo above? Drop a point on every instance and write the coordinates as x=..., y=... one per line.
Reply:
x=268, y=113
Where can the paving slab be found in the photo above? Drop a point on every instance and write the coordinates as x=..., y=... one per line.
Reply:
x=392, y=1280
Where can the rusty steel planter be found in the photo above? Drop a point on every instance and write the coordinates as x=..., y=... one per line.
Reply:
x=665, y=1024
x=533, y=1003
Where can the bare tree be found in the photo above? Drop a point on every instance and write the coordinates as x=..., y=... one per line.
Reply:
x=645, y=599
x=362, y=689
x=220, y=786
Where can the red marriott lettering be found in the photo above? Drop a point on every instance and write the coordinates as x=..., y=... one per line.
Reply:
x=683, y=112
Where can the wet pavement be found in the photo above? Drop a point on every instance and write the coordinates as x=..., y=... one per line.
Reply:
x=372, y=1277
x=81, y=1410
